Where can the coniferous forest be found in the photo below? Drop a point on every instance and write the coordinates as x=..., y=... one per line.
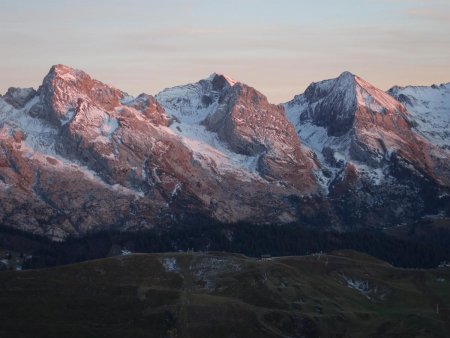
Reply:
x=420, y=245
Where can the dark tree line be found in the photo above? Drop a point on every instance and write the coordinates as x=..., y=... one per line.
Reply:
x=418, y=248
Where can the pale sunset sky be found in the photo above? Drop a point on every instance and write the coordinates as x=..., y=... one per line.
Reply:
x=278, y=47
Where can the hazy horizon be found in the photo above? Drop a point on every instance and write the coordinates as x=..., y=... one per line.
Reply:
x=146, y=46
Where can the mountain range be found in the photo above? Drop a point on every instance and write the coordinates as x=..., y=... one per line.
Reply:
x=77, y=155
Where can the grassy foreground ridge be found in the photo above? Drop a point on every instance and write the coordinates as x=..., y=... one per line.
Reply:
x=342, y=294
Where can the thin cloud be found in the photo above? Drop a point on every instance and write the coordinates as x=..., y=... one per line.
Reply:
x=148, y=45
x=432, y=14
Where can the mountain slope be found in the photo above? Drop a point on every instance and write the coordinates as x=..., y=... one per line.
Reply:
x=344, y=294
x=372, y=158
x=248, y=126
x=92, y=157
x=430, y=108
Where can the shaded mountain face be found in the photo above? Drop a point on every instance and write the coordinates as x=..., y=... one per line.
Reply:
x=78, y=155
x=374, y=162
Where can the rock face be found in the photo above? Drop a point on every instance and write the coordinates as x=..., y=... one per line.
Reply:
x=252, y=126
x=78, y=155
x=374, y=162
x=18, y=97
x=247, y=124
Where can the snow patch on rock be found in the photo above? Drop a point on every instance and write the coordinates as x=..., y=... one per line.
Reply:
x=359, y=285
x=39, y=136
x=430, y=109
x=109, y=126
x=169, y=264
x=208, y=149
x=191, y=104
x=372, y=291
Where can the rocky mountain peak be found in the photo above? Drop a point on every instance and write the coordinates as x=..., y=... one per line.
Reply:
x=193, y=101
x=336, y=104
x=352, y=126
x=250, y=125
x=83, y=155
x=346, y=74
x=241, y=117
x=221, y=81
x=224, y=111
x=18, y=97
x=66, y=72
x=66, y=90
x=346, y=80
x=317, y=90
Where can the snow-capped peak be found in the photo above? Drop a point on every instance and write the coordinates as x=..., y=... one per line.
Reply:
x=346, y=77
x=222, y=150
x=228, y=79
x=430, y=109
x=334, y=117
x=195, y=101
x=338, y=99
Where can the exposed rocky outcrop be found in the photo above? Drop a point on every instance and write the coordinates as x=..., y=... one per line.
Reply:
x=380, y=170
x=251, y=126
x=79, y=155
x=18, y=97
x=82, y=156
